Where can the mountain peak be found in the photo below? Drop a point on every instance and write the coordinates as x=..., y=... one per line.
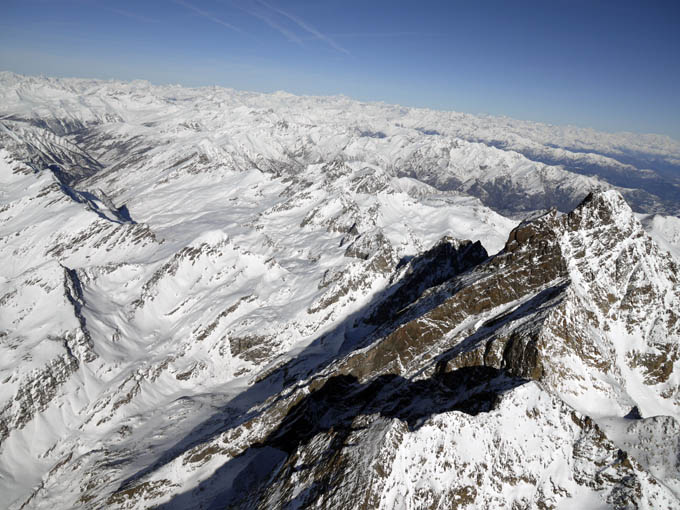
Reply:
x=602, y=206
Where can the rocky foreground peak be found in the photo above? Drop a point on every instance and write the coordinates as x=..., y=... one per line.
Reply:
x=542, y=376
x=606, y=204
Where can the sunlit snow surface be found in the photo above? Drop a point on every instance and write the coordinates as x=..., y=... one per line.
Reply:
x=253, y=225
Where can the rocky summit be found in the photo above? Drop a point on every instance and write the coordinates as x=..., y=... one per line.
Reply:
x=214, y=299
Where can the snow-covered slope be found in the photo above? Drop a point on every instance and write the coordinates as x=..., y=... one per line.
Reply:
x=665, y=230
x=218, y=297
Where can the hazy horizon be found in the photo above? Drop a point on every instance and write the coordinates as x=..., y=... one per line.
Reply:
x=610, y=66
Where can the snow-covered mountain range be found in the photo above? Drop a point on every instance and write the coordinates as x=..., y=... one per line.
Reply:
x=221, y=299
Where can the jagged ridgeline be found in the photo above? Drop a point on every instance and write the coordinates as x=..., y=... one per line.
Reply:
x=214, y=299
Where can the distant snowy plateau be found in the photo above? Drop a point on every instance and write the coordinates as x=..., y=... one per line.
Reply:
x=221, y=299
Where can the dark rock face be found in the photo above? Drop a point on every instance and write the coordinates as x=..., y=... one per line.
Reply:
x=634, y=414
x=335, y=409
x=533, y=269
x=442, y=262
x=531, y=260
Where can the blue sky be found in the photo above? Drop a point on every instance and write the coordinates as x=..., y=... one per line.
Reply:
x=613, y=66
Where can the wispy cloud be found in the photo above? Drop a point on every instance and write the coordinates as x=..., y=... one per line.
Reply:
x=262, y=16
x=373, y=35
x=131, y=15
x=358, y=35
x=297, y=21
x=208, y=15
